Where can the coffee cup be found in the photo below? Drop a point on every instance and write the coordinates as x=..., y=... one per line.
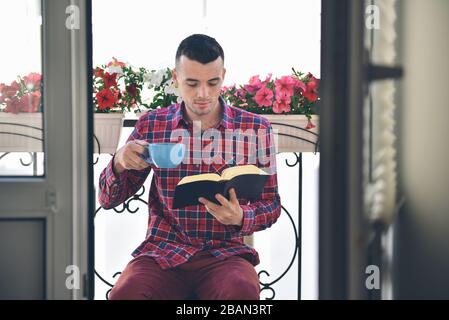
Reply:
x=165, y=155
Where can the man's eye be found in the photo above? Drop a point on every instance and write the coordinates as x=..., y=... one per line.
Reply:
x=191, y=84
x=213, y=84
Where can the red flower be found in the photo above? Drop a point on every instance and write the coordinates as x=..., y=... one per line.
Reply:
x=132, y=90
x=313, y=83
x=110, y=80
x=106, y=99
x=264, y=97
x=98, y=72
x=311, y=93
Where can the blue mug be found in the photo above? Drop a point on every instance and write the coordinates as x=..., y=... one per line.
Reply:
x=165, y=155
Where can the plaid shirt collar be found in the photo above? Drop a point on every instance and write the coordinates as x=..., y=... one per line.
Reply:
x=226, y=120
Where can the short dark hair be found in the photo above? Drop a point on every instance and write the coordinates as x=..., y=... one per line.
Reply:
x=201, y=48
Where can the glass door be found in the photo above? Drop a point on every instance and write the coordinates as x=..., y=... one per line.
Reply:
x=44, y=147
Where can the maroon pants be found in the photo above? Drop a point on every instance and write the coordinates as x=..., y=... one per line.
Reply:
x=204, y=277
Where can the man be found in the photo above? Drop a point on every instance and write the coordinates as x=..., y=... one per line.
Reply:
x=196, y=251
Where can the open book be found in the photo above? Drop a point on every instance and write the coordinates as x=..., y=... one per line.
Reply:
x=248, y=181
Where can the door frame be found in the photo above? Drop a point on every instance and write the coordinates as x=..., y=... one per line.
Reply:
x=341, y=224
x=348, y=239
x=83, y=150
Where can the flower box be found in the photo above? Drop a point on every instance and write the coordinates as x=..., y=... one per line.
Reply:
x=21, y=132
x=107, y=130
x=291, y=135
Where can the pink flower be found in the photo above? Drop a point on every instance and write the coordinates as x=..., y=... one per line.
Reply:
x=9, y=91
x=27, y=103
x=282, y=104
x=240, y=93
x=264, y=97
x=310, y=125
x=255, y=81
x=299, y=85
x=33, y=81
x=30, y=102
x=2, y=96
x=284, y=86
x=13, y=105
x=254, y=84
x=268, y=78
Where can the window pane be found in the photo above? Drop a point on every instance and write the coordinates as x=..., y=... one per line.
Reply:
x=21, y=118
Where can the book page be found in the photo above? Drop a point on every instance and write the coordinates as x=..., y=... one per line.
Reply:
x=200, y=177
x=232, y=172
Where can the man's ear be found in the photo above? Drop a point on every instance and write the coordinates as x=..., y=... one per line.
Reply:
x=224, y=73
x=174, y=76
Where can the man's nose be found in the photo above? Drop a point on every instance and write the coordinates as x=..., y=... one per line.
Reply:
x=202, y=92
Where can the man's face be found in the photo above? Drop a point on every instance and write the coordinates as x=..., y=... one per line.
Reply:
x=199, y=84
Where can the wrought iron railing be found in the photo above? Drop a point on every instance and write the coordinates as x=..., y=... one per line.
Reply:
x=266, y=285
x=296, y=229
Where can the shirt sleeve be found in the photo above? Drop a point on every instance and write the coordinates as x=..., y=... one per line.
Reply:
x=262, y=214
x=114, y=188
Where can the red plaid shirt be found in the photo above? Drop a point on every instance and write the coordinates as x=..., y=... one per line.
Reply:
x=175, y=235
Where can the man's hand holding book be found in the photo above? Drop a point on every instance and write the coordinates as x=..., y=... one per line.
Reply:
x=228, y=212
